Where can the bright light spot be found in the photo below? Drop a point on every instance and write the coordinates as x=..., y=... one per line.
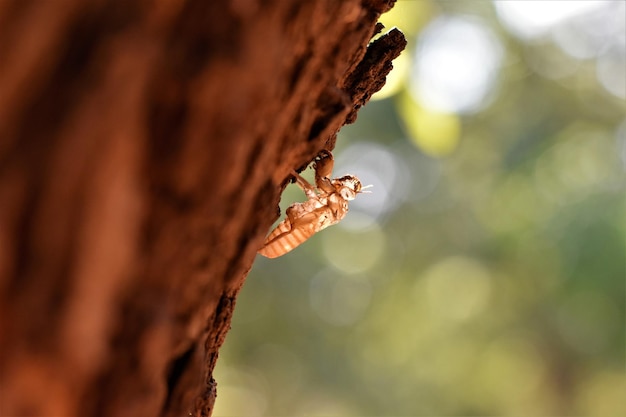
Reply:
x=581, y=29
x=340, y=300
x=611, y=70
x=584, y=160
x=354, y=251
x=241, y=393
x=575, y=42
x=374, y=164
x=457, y=61
x=588, y=35
x=357, y=221
x=529, y=19
x=237, y=401
x=458, y=288
x=435, y=133
x=409, y=16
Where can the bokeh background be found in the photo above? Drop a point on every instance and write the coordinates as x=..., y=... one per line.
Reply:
x=485, y=274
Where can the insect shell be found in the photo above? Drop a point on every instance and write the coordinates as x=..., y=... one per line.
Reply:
x=326, y=205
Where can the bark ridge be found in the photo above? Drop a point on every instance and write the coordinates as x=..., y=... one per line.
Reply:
x=143, y=150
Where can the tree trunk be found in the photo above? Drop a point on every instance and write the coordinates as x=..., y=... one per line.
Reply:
x=144, y=146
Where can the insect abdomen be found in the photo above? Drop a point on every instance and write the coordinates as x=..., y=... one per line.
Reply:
x=284, y=239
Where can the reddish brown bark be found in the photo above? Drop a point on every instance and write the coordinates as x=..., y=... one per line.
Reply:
x=143, y=149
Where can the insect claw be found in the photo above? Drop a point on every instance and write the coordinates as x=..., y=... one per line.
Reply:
x=323, y=165
x=308, y=189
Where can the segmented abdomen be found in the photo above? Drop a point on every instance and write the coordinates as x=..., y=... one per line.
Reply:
x=284, y=239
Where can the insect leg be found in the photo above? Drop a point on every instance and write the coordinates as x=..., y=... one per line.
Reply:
x=292, y=214
x=324, y=164
x=308, y=189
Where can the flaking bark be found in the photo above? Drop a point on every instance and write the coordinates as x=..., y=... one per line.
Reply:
x=143, y=150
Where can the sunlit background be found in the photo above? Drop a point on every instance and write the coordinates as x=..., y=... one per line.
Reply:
x=485, y=274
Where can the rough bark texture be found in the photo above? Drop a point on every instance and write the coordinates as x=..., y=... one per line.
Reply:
x=144, y=146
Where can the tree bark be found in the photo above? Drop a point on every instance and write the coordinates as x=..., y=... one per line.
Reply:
x=144, y=146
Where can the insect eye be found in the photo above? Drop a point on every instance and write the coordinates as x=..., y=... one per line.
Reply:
x=347, y=193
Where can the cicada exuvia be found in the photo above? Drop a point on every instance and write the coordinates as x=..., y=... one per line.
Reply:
x=326, y=204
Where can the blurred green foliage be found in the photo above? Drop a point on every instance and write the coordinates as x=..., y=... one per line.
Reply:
x=486, y=273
